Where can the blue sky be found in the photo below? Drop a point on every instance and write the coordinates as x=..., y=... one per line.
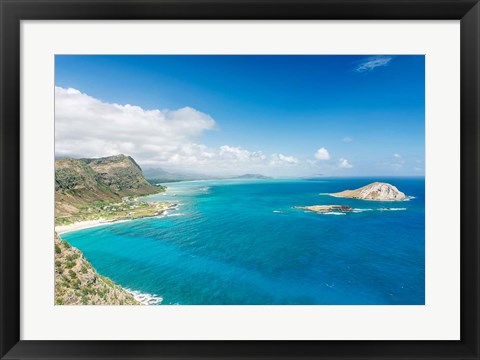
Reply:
x=268, y=114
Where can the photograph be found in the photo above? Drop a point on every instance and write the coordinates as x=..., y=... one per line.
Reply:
x=239, y=179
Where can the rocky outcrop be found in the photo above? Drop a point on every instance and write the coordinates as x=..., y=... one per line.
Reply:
x=377, y=191
x=121, y=174
x=77, y=282
x=113, y=176
x=321, y=209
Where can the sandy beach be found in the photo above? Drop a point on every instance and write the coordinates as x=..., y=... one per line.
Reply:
x=62, y=229
x=80, y=225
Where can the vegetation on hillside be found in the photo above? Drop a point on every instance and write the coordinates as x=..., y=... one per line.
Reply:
x=88, y=189
x=77, y=282
x=96, y=189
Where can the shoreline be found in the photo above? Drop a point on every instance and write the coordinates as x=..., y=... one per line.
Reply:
x=87, y=224
x=144, y=298
x=140, y=297
x=407, y=198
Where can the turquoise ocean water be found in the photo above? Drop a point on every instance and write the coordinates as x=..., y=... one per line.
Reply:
x=241, y=242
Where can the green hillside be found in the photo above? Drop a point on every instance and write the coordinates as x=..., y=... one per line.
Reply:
x=83, y=187
x=77, y=282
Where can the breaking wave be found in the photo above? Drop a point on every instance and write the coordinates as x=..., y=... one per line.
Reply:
x=144, y=298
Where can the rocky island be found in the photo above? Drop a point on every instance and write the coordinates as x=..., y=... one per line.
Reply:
x=377, y=191
x=322, y=209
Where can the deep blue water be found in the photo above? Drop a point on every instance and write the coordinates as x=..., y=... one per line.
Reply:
x=241, y=242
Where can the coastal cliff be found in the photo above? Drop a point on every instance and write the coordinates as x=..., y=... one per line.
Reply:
x=89, y=192
x=77, y=282
x=377, y=191
x=83, y=187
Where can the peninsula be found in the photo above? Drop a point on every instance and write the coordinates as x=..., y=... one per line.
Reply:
x=377, y=191
x=89, y=192
x=91, y=189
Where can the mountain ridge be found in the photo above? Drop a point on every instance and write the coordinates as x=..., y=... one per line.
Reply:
x=81, y=183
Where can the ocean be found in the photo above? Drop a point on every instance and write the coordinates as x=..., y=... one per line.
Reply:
x=241, y=242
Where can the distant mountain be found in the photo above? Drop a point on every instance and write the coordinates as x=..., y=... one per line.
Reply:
x=155, y=173
x=251, y=176
x=81, y=182
x=158, y=175
x=314, y=177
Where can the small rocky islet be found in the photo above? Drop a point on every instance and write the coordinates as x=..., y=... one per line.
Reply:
x=322, y=209
x=377, y=191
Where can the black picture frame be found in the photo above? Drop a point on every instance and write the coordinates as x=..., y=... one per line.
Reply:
x=12, y=12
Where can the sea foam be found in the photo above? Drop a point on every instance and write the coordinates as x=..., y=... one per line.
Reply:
x=145, y=298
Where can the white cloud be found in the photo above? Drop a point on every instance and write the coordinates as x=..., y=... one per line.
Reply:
x=239, y=154
x=212, y=159
x=88, y=127
x=397, y=156
x=322, y=154
x=344, y=164
x=280, y=159
x=347, y=139
x=373, y=62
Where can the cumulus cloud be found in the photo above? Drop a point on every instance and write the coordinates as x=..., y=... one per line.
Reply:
x=398, y=156
x=344, y=164
x=347, y=139
x=322, y=154
x=209, y=158
x=373, y=62
x=88, y=127
x=280, y=159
